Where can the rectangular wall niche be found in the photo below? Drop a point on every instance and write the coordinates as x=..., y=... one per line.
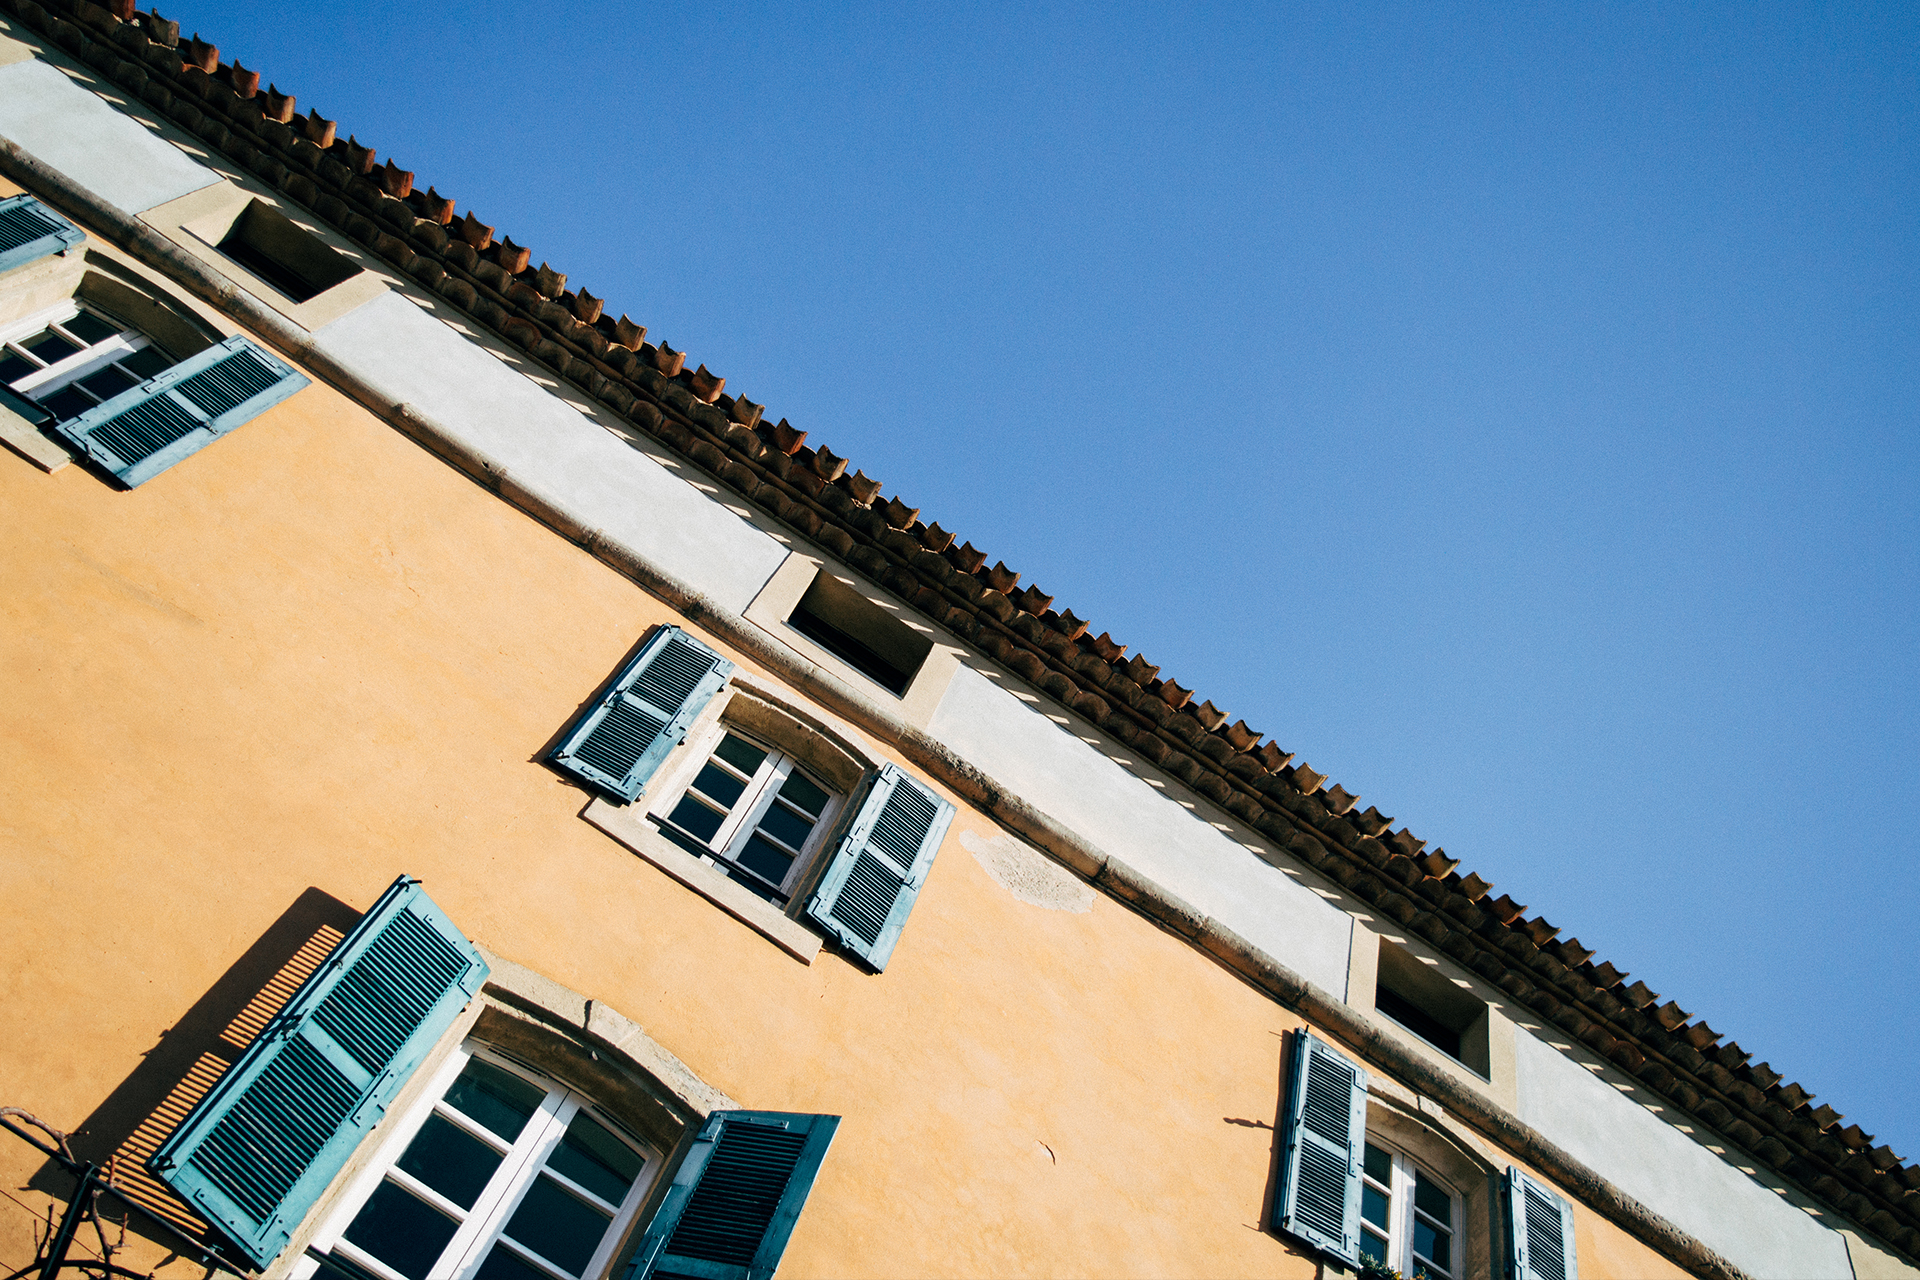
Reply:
x=296, y=262
x=1415, y=994
x=860, y=633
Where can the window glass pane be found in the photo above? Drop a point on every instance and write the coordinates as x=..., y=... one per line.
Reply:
x=1429, y=1198
x=695, y=818
x=786, y=826
x=719, y=786
x=763, y=859
x=15, y=367
x=49, y=346
x=497, y=1100
x=1373, y=1248
x=90, y=328
x=146, y=362
x=401, y=1231
x=504, y=1264
x=1379, y=1165
x=595, y=1159
x=741, y=754
x=1373, y=1205
x=804, y=794
x=560, y=1227
x=68, y=402
x=108, y=382
x=450, y=1160
x=1434, y=1245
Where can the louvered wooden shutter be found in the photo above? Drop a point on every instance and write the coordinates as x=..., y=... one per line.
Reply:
x=146, y=429
x=259, y=1149
x=1324, y=1144
x=30, y=231
x=621, y=740
x=1539, y=1231
x=867, y=890
x=734, y=1201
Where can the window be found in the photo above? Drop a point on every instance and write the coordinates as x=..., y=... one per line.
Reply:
x=70, y=359
x=277, y=250
x=1440, y=1010
x=860, y=633
x=1409, y=1220
x=502, y=1175
x=751, y=811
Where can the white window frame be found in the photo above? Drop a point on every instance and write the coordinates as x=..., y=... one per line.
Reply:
x=523, y=1161
x=1401, y=1210
x=50, y=378
x=743, y=819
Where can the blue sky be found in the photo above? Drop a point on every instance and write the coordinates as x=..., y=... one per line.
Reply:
x=1513, y=413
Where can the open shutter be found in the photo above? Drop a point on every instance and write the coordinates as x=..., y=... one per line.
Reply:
x=146, y=429
x=1325, y=1137
x=622, y=739
x=30, y=231
x=876, y=873
x=1539, y=1231
x=734, y=1201
x=259, y=1149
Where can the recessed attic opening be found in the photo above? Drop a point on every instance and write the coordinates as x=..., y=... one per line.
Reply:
x=293, y=260
x=1415, y=994
x=860, y=633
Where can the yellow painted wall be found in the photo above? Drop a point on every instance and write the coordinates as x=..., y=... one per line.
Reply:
x=312, y=657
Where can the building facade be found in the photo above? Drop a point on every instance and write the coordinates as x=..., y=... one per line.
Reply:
x=483, y=801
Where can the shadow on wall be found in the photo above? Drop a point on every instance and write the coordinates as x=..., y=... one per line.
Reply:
x=196, y=1051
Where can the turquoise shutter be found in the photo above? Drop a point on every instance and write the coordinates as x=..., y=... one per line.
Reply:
x=146, y=429
x=734, y=1201
x=876, y=873
x=1539, y=1231
x=30, y=231
x=259, y=1149
x=1324, y=1143
x=622, y=739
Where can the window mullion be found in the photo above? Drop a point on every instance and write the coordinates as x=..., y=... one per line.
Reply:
x=753, y=802
x=491, y=1210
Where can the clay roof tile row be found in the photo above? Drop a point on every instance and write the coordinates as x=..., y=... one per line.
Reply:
x=771, y=465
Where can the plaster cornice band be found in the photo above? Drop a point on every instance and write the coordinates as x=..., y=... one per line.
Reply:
x=1261, y=970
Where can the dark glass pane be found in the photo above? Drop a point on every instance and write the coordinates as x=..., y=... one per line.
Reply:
x=146, y=362
x=763, y=859
x=450, y=1160
x=1379, y=1165
x=49, y=346
x=15, y=367
x=108, y=382
x=1432, y=1244
x=786, y=826
x=595, y=1159
x=1429, y=1198
x=805, y=794
x=559, y=1227
x=1373, y=1206
x=1373, y=1248
x=504, y=1264
x=719, y=786
x=695, y=818
x=68, y=402
x=741, y=754
x=401, y=1231
x=498, y=1100
x=90, y=328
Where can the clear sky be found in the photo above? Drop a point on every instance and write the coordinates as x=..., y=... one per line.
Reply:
x=1513, y=412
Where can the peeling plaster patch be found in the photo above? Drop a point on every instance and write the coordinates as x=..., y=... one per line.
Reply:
x=1028, y=874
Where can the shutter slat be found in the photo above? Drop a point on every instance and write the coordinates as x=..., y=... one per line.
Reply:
x=1324, y=1137
x=735, y=1198
x=146, y=429
x=874, y=877
x=1539, y=1223
x=261, y=1147
x=621, y=740
x=30, y=231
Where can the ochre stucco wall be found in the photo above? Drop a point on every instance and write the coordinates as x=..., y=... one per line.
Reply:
x=313, y=657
